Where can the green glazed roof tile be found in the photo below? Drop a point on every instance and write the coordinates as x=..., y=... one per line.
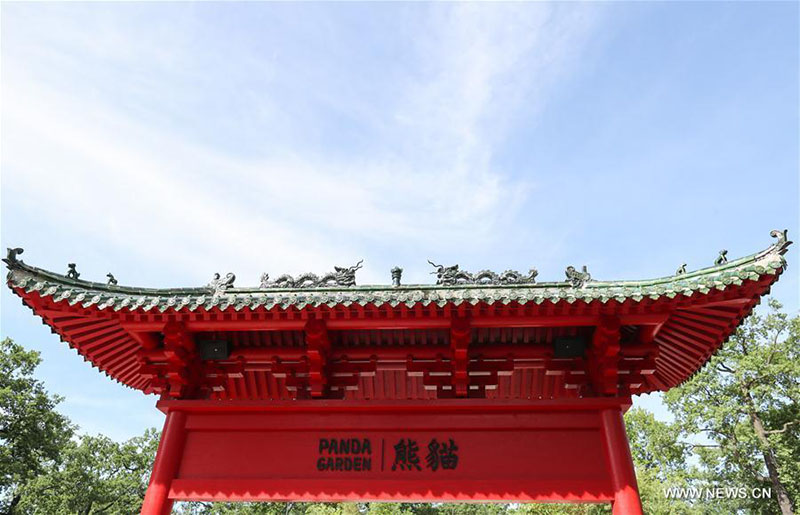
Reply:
x=62, y=288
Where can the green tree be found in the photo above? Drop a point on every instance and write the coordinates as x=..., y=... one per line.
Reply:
x=32, y=432
x=745, y=400
x=662, y=462
x=95, y=475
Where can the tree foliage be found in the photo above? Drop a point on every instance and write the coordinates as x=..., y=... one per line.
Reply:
x=661, y=460
x=43, y=468
x=32, y=432
x=95, y=475
x=745, y=402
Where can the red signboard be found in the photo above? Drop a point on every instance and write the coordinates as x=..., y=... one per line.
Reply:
x=464, y=450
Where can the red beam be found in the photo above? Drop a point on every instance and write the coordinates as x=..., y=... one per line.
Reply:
x=396, y=406
x=399, y=353
x=195, y=324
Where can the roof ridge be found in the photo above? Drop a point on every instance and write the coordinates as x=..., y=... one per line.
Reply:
x=772, y=257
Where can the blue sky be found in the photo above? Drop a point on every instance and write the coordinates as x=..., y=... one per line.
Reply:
x=165, y=142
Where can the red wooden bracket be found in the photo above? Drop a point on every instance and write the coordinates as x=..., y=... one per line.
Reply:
x=179, y=351
x=647, y=334
x=603, y=356
x=484, y=374
x=148, y=340
x=293, y=373
x=460, y=335
x=345, y=374
x=318, y=345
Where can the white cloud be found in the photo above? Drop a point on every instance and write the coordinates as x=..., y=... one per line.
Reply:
x=150, y=187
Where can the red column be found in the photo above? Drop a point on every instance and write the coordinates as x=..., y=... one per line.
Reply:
x=623, y=476
x=165, y=468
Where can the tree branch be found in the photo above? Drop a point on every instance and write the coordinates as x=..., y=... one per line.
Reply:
x=106, y=507
x=695, y=445
x=722, y=367
x=783, y=430
x=711, y=397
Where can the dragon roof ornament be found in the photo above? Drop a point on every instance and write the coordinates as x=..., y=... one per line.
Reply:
x=452, y=275
x=341, y=276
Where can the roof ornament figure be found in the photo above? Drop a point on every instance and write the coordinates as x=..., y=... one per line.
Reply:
x=341, y=276
x=11, y=257
x=72, y=273
x=722, y=258
x=782, y=245
x=397, y=274
x=484, y=277
x=450, y=275
x=514, y=277
x=219, y=286
x=681, y=269
x=577, y=279
x=112, y=281
x=283, y=281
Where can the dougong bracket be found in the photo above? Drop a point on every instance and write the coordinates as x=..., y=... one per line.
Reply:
x=603, y=356
x=460, y=336
x=318, y=344
x=182, y=361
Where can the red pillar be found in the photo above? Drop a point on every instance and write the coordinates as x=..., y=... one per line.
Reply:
x=165, y=468
x=623, y=476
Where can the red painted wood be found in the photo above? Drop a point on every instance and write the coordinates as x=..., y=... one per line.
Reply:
x=157, y=500
x=623, y=476
x=460, y=336
x=383, y=353
x=317, y=347
x=263, y=322
x=511, y=451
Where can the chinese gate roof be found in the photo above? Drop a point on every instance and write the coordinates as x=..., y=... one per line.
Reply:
x=681, y=319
